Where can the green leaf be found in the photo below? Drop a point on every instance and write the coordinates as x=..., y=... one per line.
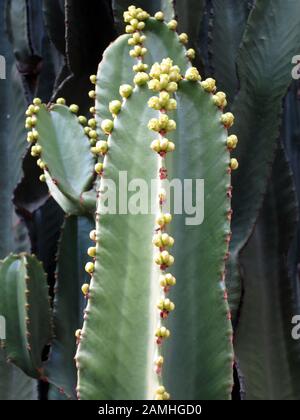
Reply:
x=267, y=353
x=65, y=150
x=69, y=303
x=25, y=306
x=117, y=348
x=264, y=65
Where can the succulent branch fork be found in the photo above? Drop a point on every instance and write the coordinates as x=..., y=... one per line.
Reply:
x=135, y=302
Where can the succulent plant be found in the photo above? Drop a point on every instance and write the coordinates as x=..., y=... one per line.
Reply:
x=147, y=125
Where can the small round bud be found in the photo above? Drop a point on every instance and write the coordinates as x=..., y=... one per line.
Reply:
x=89, y=267
x=85, y=289
x=172, y=105
x=93, y=79
x=92, y=252
x=141, y=78
x=192, y=75
x=74, y=108
x=126, y=91
x=115, y=107
x=129, y=29
x=141, y=26
x=172, y=87
x=43, y=178
x=93, y=235
x=154, y=85
x=78, y=334
x=92, y=134
x=171, y=125
x=87, y=130
x=159, y=16
x=183, y=38
x=227, y=120
x=99, y=168
x=164, y=99
x=102, y=147
x=92, y=94
x=154, y=103
x=209, y=85
x=61, y=101
x=172, y=25
x=92, y=123
x=191, y=54
x=107, y=126
x=234, y=164
x=154, y=125
x=82, y=120
x=232, y=141
x=37, y=101
x=93, y=110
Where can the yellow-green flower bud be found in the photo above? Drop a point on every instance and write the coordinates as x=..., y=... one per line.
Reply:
x=209, y=85
x=82, y=120
x=43, y=178
x=126, y=91
x=129, y=29
x=234, y=164
x=115, y=107
x=61, y=101
x=99, y=168
x=171, y=105
x=154, y=85
x=141, y=78
x=191, y=54
x=92, y=123
x=159, y=16
x=172, y=87
x=227, y=120
x=219, y=99
x=89, y=267
x=92, y=94
x=93, y=235
x=172, y=25
x=154, y=103
x=183, y=38
x=192, y=75
x=37, y=101
x=107, y=126
x=102, y=147
x=93, y=79
x=141, y=26
x=164, y=81
x=154, y=124
x=232, y=141
x=92, y=252
x=93, y=134
x=85, y=289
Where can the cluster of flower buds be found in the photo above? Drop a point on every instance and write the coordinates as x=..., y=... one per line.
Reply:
x=161, y=394
x=164, y=76
x=135, y=19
